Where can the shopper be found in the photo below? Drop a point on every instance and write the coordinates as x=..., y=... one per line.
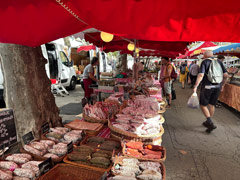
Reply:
x=88, y=77
x=212, y=73
x=183, y=73
x=193, y=72
x=166, y=78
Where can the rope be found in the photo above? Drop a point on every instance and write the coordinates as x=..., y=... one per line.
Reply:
x=70, y=11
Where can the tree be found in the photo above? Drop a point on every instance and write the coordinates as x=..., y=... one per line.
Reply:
x=27, y=89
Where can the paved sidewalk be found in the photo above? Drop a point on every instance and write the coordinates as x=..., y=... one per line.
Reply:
x=193, y=154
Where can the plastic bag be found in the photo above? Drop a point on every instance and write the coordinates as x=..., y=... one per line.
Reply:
x=193, y=101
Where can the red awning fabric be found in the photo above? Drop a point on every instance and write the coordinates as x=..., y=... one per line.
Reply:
x=33, y=23
x=36, y=22
x=86, y=48
x=119, y=43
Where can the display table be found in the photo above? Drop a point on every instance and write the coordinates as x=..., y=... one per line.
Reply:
x=231, y=96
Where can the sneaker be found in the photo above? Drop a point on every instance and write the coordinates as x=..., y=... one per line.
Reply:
x=210, y=128
x=168, y=107
x=206, y=124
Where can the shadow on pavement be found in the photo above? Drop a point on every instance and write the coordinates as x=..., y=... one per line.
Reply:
x=71, y=109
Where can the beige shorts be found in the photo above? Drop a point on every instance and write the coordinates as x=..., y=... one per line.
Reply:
x=168, y=87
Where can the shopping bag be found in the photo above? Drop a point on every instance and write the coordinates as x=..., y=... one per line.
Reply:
x=193, y=101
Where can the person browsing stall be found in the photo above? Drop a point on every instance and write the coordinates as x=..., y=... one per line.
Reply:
x=213, y=76
x=88, y=77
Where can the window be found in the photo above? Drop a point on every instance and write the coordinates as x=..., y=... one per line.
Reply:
x=64, y=58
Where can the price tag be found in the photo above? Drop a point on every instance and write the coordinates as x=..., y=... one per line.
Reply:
x=27, y=138
x=45, y=166
x=45, y=127
x=70, y=147
x=8, y=135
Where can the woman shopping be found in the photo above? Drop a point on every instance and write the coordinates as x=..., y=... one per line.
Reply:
x=88, y=77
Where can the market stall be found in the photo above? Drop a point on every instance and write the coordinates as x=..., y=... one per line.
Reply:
x=230, y=96
x=125, y=130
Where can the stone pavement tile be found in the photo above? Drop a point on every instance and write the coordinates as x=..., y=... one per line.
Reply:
x=183, y=131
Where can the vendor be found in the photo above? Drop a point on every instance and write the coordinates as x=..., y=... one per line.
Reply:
x=88, y=77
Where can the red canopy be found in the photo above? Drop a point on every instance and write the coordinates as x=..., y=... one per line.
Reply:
x=33, y=23
x=86, y=48
x=165, y=48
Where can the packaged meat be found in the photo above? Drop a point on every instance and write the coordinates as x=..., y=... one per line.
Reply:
x=99, y=140
x=48, y=142
x=16, y=159
x=130, y=162
x=134, y=153
x=20, y=178
x=78, y=132
x=23, y=155
x=39, y=146
x=58, y=131
x=50, y=155
x=134, y=145
x=62, y=129
x=71, y=137
x=136, y=169
x=124, y=127
x=32, y=166
x=127, y=172
x=122, y=121
x=59, y=149
x=120, y=177
x=54, y=136
x=150, y=165
x=32, y=150
x=24, y=173
x=34, y=163
x=8, y=165
x=150, y=175
x=5, y=175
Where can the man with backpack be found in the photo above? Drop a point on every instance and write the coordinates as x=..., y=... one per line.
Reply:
x=183, y=73
x=213, y=76
x=169, y=74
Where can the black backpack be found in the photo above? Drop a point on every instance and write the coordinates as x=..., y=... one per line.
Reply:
x=183, y=69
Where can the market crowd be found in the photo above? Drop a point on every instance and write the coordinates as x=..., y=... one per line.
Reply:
x=209, y=75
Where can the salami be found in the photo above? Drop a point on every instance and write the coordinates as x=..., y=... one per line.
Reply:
x=8, y=165
x=5, y=175
x=24, y=173
x=16, y=159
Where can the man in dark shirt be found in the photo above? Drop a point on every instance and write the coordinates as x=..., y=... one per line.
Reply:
x=209, y=92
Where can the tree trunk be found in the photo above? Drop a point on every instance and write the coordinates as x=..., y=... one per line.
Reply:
x=27, y=89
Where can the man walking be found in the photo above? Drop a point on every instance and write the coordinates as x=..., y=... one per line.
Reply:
x=213, y=76
x=166, y=78
x=193, y=73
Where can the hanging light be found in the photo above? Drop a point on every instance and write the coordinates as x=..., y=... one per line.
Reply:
x=137, y=50
x=131, y=46
x=106, y=37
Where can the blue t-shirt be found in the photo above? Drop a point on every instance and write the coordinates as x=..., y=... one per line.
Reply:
x=204, y=68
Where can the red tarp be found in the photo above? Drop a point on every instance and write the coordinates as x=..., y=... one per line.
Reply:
x=86, y=48
x=171, y=49
x=33, y=23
